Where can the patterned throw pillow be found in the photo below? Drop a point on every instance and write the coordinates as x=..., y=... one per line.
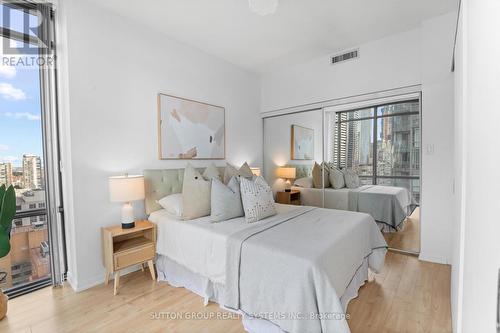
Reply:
x=351, y=178
x=226, y=200
x=257, y=197
x=231, y=171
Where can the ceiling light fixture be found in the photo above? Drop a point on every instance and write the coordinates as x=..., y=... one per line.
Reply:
x=263, y=7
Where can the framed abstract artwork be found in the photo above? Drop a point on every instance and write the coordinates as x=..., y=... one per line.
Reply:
x=189, y=129
x=302, y=143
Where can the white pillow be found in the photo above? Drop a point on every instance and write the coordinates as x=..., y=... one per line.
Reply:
x=212, y=172
x=336, y=178
x=195, y=194
x=172, y=204
x=306, y=182
x=225, y=200
x=351, y=178
x=257, y=197
x=231, y=171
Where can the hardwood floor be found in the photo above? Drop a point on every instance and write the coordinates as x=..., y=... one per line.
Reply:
x=407, y=296
x=409, y=238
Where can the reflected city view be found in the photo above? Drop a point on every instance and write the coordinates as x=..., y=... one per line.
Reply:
x=392, y=132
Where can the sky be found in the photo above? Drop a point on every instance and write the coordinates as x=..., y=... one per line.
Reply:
x=20, y=112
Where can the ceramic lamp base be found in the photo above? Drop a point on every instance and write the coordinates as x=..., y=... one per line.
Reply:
x=128, y=225
x=128, y=216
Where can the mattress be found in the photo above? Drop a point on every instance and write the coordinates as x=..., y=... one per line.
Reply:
x=388, y=205
x=199, y=244
x=334, y=199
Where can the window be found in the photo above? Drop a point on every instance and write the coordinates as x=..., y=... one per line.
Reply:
x=30, y=164
x=382, y=143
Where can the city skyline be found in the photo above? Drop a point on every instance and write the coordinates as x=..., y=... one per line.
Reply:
x=20, y=113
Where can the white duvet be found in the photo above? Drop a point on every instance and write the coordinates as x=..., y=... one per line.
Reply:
x=199, y=244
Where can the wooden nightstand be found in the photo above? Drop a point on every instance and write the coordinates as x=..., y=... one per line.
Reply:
x=288, y=198
x=122, y=248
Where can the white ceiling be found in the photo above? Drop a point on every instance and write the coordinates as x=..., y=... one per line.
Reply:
x=298, y=31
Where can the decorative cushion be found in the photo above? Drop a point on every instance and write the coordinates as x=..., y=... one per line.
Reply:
x=212, y=172
x=306, y=182
x=172, y=204
x=226, y=200
x=195, y=194
x=231, y=171
x=257, y=197
x=336, y=178
x=317, y=174
x=351, y=178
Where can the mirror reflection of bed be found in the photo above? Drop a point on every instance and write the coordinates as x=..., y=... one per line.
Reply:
x=364, y=159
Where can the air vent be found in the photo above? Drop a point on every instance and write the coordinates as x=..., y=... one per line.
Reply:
x=345, y=56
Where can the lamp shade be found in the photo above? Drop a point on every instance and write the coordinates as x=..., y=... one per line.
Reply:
x=255, y=171
x=285, y=173
x=126, y=188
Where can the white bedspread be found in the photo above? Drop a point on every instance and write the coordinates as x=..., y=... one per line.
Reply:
x=199, y=244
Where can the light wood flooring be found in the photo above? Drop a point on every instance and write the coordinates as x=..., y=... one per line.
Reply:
x=407, y=296
x=409, y=238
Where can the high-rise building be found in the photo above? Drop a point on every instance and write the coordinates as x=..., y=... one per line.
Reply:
x=6, y=174
x=32, y=172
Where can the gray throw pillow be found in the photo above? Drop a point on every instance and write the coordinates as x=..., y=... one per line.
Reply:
x=257, y=197
x=351, y=178
x=225, y=200
x=336, y=178
x=320, y=180
x=211, y=172
x=231, y=171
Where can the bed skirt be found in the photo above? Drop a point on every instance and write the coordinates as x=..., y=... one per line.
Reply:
x=179, y=276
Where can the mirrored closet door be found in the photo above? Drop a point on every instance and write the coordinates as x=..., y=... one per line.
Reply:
x=293, y=144
x=352, y=157
x=381, y=145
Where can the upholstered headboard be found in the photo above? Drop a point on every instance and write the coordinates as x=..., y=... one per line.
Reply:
x=302, y=170
x=160, y=183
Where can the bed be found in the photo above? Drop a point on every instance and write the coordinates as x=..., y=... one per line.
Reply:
x=276, y=272
x=388, y=205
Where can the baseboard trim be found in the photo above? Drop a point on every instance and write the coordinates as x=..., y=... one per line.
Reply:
x=433, y=259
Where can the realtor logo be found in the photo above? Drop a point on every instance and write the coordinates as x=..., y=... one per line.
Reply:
x=25, y=28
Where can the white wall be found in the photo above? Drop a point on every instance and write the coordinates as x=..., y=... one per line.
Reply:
x=459, y=169
x=420, y=56
x=437, y=133
x=112, y=70
x=478, y=240
x=277, y=142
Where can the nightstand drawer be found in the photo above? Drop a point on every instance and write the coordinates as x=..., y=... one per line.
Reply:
x=134, y=256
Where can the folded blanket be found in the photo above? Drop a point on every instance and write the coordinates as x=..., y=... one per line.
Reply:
x=387, y=204
x=293, y=268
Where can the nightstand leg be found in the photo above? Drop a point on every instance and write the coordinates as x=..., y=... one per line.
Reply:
x=142, y=267
x=106, y=278
x=152, y=269
x=117, y=281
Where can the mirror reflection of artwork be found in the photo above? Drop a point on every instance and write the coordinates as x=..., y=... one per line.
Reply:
x=190, y=129
x=302, y=143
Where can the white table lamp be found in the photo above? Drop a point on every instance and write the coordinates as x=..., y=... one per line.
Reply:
x=287, y=174
x=126, y=189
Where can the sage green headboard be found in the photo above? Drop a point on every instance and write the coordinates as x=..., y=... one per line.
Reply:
x=160, y=183
x=302, y=170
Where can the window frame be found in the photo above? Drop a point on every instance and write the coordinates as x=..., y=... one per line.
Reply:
x=375, y=118
x=53, y=209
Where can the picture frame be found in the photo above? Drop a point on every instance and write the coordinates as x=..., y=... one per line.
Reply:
x=302, y=143
x=190, y=130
